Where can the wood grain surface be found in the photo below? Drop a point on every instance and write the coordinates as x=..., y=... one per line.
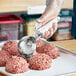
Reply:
x=68, y=44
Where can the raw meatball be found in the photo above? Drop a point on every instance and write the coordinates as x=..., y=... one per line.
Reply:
x=16, y=65
x=11, y=47
x=49, y=49
x=40, y=62
x=39, y=43
x=32, y=55
x=4, y=57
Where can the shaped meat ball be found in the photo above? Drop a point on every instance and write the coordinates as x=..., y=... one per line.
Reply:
x=4, y=57
x=40, y=62
x=11, y=47
x=49, y=49
x=16, y=65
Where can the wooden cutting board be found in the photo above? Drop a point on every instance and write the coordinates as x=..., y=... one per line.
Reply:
x=68, y=44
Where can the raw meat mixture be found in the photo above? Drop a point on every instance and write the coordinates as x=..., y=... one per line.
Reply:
x=40, y=62
x=4, y=57
x=49, y=49
x=11, y=47
x=39, y=43
x=16, y=65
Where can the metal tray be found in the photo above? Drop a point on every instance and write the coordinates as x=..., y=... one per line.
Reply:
x=64, y=64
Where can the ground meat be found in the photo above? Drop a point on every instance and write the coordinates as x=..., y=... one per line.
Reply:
x=32, y=55
x=39, y=43
x=16, y=65
x=4, y=57
x=40, y=62
x=11, y=47
x=49, y=49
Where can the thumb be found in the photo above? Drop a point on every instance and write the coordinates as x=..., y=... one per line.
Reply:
x=40, y=20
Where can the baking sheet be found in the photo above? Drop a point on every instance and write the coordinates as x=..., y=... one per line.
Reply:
x=64, y=64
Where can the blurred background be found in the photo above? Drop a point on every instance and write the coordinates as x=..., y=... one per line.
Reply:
x=17, y=19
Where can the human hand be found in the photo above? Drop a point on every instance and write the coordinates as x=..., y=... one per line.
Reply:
x=47, y=29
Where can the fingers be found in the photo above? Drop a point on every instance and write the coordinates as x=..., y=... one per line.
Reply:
x=47, y=29
x=50, y=31
x=38, y=25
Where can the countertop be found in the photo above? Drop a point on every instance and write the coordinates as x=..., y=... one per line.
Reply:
x=68, y=44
